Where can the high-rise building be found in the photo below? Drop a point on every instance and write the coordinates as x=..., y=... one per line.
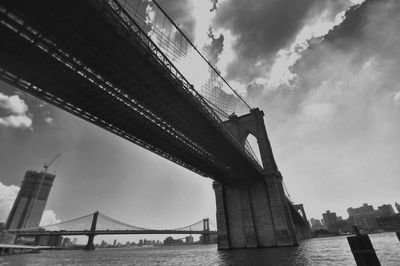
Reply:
x=363, y=210
x=363, y=216
x=385, y=210
x=29, y=205
x=66, y=241
x=330, y=219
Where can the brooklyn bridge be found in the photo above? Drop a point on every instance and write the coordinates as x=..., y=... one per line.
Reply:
x=129, y=68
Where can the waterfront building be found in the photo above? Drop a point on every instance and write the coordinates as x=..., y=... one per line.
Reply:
x=363, y=216
x=363, y=210
x=31, y=201
x=385, y=210
x=169, y=241
x=315, y=224
x=189, y=240
x=366, y=221
x=389, y=223
x=52, y=241
x=66, y=241
x=330, y=219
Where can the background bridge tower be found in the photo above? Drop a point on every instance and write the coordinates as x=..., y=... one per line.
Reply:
x=92, y=233
x=251, y=215
x=206, y=228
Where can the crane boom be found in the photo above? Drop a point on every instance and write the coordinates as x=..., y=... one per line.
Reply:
x=47, y=165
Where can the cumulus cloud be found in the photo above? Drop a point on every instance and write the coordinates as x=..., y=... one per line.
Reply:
x=13, y=103
x=214, y=49
x=396, y=98
x=49, y=120
x=48, y=218
x=337, y=122
x=181, y=12
x=262, y=30
x=8, y=194
x=14, y=112
x=7, y=197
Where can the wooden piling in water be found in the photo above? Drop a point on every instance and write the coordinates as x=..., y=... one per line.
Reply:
x=362, y=249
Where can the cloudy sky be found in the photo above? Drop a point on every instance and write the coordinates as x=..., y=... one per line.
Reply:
x=325, y=72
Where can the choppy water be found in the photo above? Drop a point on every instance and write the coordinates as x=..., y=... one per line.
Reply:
x=321, y=251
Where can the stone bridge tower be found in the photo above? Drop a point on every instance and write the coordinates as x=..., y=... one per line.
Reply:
x=251, y=215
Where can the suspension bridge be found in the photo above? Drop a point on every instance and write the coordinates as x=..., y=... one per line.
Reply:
x=127, y=67
x=100, y=224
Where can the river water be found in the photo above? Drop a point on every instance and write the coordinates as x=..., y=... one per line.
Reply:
x=319, y=251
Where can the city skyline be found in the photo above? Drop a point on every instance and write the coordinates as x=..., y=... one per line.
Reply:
x=347, y=210
x=328, y=150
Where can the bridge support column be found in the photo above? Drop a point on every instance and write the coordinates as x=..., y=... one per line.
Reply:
x=206, y=227
x=90, y=246
x=252, y=215
x=284, y=227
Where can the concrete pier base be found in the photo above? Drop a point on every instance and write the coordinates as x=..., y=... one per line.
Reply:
x=252, y=216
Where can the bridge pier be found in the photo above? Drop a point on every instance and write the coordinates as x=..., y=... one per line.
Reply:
x=251, y=215
x=90, y=245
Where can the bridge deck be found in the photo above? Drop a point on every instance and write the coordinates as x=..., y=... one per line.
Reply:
x=80, y=56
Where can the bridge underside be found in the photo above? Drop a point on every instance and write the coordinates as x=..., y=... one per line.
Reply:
x=81, y=56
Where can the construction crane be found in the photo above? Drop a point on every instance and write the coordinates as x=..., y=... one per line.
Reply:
x=45, y=168
x=47, y=165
